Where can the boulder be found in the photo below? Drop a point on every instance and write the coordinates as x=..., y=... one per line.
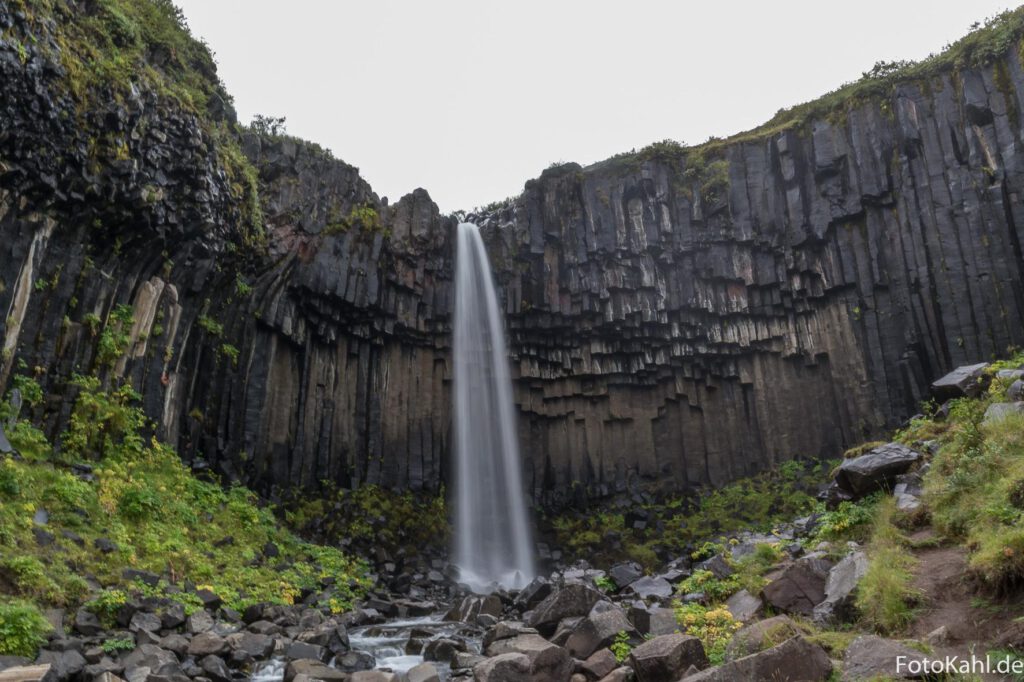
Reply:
x=150, y=622
x=354, y=661
x=876, y=469
x=208, y=644
x=200, y=621
x=598, y=630
x=506, y=629
x=314, y=670
x=176, y=643
x=511, y=667
x=621, y=674
x=651, y=587
x=999, y=411
x=571, y=600
x=840, y=589
x=962, y=381
x=373, y=676
x=252, y=643
x=87, y=623
x=173, y=616
x=533, y=594
x=794, y=659
x=759, y=636
x=665, y=658
x=599, y=664
x=297, y=650
x=799, y=587
x=474, y=606
x=625, y=574
x=1016, y=390
x=149, y=656
x=548, y=662
x=869, y=657
x=64, y=665
x=744, y=606
x=443, y=649
x=717, y=565
x=215, y=668
x=424, y=672
x=654, y=620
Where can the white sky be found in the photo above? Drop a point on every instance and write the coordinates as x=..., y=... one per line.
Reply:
x=470, y=98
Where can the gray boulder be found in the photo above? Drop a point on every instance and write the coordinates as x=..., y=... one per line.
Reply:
x=759, y=636
x=571, y=600
x=424, y=672
x=64, y=665
x=625, y=573
x=548, y=662
x=208, y=644
x=598, y=630
x=870, y=657
x=666, y=658
x=962, y=381
x=373, y=676
x=800, y=587
x=794, y=659
x=511, y=667
x=314, y=670
x=599, y=664
x=651, y=587
x=744, y=606
x=999, y=411
x=876, y=469
x=841, y=589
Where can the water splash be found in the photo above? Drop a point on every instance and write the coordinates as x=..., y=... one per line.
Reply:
x=492, y=535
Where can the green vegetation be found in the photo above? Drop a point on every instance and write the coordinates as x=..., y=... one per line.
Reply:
x=605, y=584
x=143, y=510
x=116, y=335
x=22, y=629
x=714, y=626
x=371, y=516
x=848, y=521
x=885, y=596
x=210, y=325
x=975, y=487
x=363, y=217
x=756, y=503
x=621, y=647
x=118, y=644
x=108, y=47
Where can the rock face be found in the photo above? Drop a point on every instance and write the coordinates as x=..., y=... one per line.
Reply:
x=657, y=303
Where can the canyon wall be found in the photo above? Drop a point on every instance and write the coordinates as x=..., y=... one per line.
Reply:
x=677, y=317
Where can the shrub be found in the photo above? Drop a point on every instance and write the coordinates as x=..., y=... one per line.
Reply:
x=848, y=521
x=713, y=626
x=714, y=589
x=118, y=644
x=22, y=629
x=621, y=647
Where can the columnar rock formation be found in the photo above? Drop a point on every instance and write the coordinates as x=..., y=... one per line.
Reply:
x=677, y=316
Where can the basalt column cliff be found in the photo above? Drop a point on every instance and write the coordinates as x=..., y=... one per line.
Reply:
x=678, y=316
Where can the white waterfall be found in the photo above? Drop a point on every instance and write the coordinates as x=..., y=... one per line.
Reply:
x=492, y=535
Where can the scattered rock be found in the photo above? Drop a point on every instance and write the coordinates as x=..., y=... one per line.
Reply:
x=571, y=600
x=840, y=589
x=599, y=664
x=598, y=630
x=651, y=587
x=869, y=657
x=876, y=469
x=625, y=574
x=962, y=381
x=424, y=672
x=314, y=670
x=759, y=636
x=794, y=659
x=744, y=606
x=548, y=662
x=799, y=588
x=208, y=643
x=665, y=658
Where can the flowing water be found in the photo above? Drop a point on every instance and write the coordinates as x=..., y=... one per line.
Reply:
x=492, y=535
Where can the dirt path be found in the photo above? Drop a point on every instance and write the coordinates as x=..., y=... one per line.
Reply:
x=974, y=623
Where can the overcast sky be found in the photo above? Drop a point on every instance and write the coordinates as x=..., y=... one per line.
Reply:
x=470, y=98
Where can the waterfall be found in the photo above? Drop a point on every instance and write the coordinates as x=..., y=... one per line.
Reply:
x=492, y=535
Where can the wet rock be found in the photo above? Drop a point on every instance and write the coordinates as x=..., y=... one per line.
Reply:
x=794, y=659
x=665, y=658
x=314, y=670
x=570, y=601
x=870, y=657
x=876, y=469
x=304, y=650
x=215, y=668
x=840, y=589
x=373, y=676
x=424, y=672
x=443, y=649
x=511, y=667
x=354, y=661
x=962, y=381
x=548, y=662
